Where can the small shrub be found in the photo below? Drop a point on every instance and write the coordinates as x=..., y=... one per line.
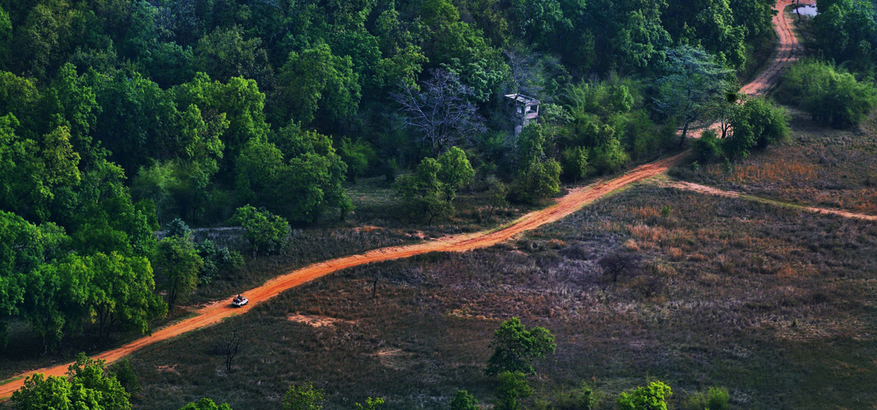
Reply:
x=651, y=397
x=619, y=263
x=205, y=404
x=583, y=398
x=707, y=148
x=464, y=401
x=666, y=211
x=714, y=398
x=757, y=123
x=303, y=397
x=512, y=387
x=371, y=404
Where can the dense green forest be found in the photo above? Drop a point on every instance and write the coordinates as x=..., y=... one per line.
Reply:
x=119, y=116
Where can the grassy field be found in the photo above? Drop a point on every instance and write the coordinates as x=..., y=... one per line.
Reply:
x=379, y=221
x=818, y=166
x=774, y=304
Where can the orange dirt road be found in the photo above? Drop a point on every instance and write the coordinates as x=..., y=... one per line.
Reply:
x=786, y=53
x=217, y=311
x=567, y=205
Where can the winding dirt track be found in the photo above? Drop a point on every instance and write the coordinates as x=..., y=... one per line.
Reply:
x=570, y=203
x=708, y=190
x=787, y=52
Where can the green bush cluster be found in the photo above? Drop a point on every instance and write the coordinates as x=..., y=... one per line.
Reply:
x=829, y=94
x=434, y=184
x=756, y=123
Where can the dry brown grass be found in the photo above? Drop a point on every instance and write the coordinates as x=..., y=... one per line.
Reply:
x=819, y=166
x=766, y=301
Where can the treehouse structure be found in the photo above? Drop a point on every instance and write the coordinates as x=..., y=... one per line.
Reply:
x=526, y=110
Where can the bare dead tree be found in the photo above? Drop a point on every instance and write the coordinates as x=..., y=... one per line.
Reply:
x=442, y=111
x=232, y=344
x=523, y=71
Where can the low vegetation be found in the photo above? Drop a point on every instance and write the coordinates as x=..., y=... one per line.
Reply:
x=320, y=130
x=712, y=291
x=815, y=166
x=754, y=124
x=829, y=94
x=87, y=386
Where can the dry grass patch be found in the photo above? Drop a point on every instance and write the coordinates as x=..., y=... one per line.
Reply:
x=818, y=166
x=769, y=302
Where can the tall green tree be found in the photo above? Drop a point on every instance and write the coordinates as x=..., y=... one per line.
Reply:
x=515, y=347
x=24, y=248
x=31, y=172
x=708, y=24
x=846, y=31
x=619, y=34
x=316, y=80
x=19, y=96
x=71, y=102
x=694, y=82
x=140, y=122
x=102, y=217
x=225, y=53
x=241, y=102
x=177, y=263
x=56, y=301
x=266, y=232
x=87, y=386
x=425, y=192
x=538, y=175
x=299, y=183
x=755, y=16
x=121, y=291
x=455, y=171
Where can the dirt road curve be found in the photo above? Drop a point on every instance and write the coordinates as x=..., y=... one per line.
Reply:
x=703, y=189
x=786, y=53
x=570, y=203
x=219, y=310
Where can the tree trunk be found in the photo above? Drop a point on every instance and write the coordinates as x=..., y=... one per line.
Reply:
x=232, y=343
x=684, y=134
